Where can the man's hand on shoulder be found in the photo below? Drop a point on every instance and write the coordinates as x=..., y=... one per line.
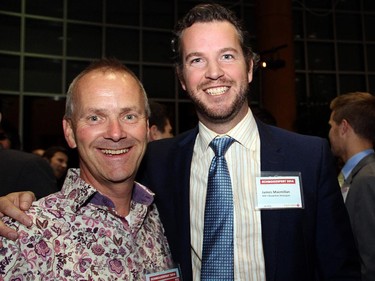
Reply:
x=14, y=205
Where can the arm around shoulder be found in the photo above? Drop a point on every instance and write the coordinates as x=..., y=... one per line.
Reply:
x=13, y=205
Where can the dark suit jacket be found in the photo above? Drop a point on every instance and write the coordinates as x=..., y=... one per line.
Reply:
x=360, y=203
x=20, y=171
x=314, y=243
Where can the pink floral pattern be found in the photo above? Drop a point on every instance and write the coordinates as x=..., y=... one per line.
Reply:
x=77, y=236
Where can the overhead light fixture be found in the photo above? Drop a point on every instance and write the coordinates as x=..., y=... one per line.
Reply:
x=272, y=63
x=267, y=58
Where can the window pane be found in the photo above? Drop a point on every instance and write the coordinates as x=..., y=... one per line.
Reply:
x=73, y=68
x=348, y=5
x=319, y=27
x=160, y=10
x=372, y=83
x=352, y=83
x=85, y=10
x=299, y=55
x=123, y=12
x=84, y=41
x=45, y=8
x=157, y=47
x=319, y=4
x=369, y=27
x=122, y=43
x=323, y=88
x=10, y=29
x=250, y=20
x=371, y=57
x=43, y=37
x=298, y=25
x=9, y=73
x=159, y=81
x=46, y=111
x=369, y=5
x=350, y=56
x=312, y=119
x=348, y=27
x=321, y=56
x=10, y=5
x=43, y=75
x=301, y=89
x=9, y=105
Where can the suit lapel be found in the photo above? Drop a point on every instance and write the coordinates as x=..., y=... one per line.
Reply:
x=181, y=176
x=271, y=160
x=368, y=159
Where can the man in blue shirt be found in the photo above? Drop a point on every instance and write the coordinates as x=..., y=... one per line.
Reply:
x=352, y=137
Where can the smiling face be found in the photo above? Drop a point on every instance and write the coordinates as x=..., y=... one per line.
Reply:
x=109, y=127
x=59, y=164
x=215, y=73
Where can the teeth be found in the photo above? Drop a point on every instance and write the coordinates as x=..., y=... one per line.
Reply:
x=114, y=152
x=217, y=91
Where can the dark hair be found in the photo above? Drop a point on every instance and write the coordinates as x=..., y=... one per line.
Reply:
x=210, y=13
x=104, y=65
x=358, y=109
x=159, y=115
x=51, y=151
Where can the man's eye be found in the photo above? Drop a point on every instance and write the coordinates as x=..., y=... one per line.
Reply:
x=131, y=118
x=93, y=118
x=197, y=62
x=228, y=56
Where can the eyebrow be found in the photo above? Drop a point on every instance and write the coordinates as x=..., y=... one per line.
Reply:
x=221, y=51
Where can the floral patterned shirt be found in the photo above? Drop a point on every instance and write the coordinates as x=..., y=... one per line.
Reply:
x=77, y=236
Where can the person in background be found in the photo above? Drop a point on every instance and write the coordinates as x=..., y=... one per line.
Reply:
x=102, y=225
x=25, y=171
x=57, y=157
x=159, y=122
x=9, y=138
x=38, y=151
x=215, y=64
x=5, y=142
x=352, y=138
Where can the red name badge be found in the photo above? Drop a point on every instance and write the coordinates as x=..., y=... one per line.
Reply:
x=167, y=275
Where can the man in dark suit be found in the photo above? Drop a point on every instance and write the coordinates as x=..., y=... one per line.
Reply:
x=315, y=242
x=352, y=138
x=25, y=171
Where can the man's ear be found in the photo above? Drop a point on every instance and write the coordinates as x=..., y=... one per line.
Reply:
x=251, y=70
x=69, y=133
x=345, y=126
x=154, y=133
x=181, y=78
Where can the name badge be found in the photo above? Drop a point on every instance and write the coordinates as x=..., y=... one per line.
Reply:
x=279, y=190
x=166, y=275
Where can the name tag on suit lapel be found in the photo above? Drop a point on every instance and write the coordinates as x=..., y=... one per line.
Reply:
x=279, y=190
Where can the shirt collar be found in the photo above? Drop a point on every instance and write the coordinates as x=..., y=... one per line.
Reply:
x=240, y=132
x=81, y=193
x=354, y=160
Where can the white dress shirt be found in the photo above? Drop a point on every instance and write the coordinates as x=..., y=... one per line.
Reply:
x=243, y=158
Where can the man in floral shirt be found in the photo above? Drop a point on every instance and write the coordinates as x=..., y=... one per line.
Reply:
x=102, y=225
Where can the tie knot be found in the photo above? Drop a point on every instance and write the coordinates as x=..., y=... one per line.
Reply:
x=221, y=145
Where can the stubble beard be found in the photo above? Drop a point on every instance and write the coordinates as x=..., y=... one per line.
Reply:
x=221, y=115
